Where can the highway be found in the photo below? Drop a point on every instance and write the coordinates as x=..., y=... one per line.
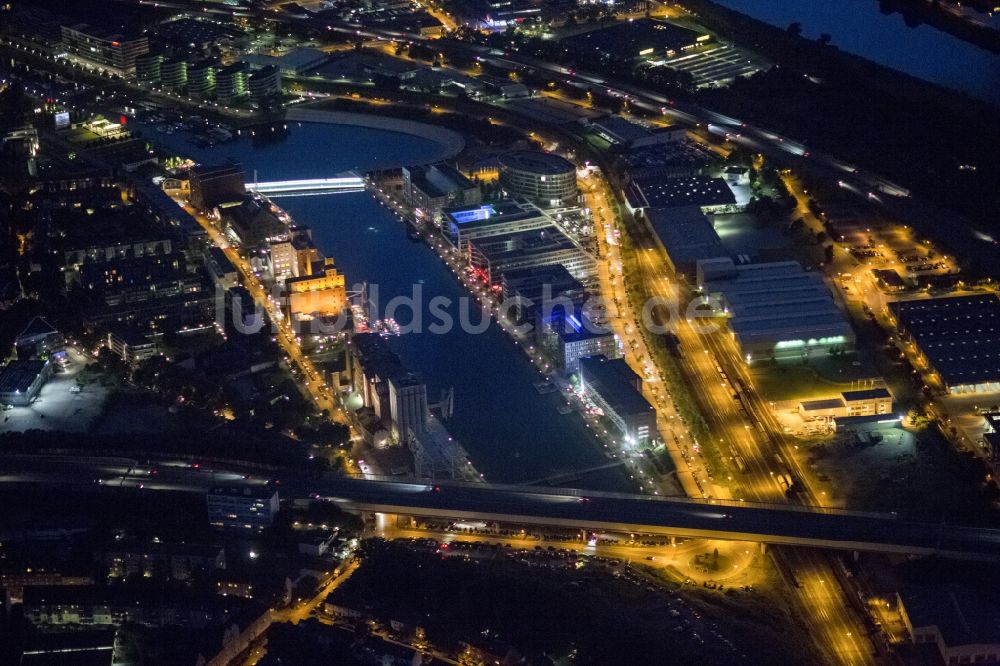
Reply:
x=646, y=514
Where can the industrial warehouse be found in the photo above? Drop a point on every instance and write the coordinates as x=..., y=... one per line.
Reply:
x=957, y=338
x=776, y=310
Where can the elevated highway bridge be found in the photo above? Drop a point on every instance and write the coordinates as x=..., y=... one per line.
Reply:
x=775, y=524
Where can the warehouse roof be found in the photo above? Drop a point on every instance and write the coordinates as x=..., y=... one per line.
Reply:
x=702, y=191
x=615, y=382
x=686, y=235
x=959, y=335
x=779, y=301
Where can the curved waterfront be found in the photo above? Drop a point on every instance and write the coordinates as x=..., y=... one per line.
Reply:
x=512, y=433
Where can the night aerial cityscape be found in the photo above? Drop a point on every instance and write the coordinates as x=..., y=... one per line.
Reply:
x=499, y=332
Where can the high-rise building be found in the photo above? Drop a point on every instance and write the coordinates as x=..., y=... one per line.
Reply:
x=107, y=50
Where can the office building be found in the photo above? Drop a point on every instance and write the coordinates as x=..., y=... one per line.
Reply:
x=106, y=50
x=545, y=179
x=252, y=223
x=467, y=223
x=322, y=293
x=613, y=387
x=149, y=68
x=621, y=132
x=294, y=257
x=21, y=380
x=529, y=291
x=566, y=330
x=430, y=189
x=220, y=269
x=284, y=260
x=958, y=337
x=493, y=256
x=775, y=310
x=213, y=185
x=861, y=403
x=867, y=402
x=130, y=345
x=242, y=507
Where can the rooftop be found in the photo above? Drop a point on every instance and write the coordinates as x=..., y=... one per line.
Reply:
x=18, y=376
x=616, y=382
x=779, y=300
x=820, y=405
x=959, y=335
x=866, y=394
x=537, y=162
x=635, y=38
x=37, y=327
x=653, y=192
x=491, y=213
x=686, y=234
x=248, y=490
x=962, y=615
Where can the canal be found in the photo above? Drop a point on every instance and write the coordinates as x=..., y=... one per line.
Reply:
x=512, y=433
x=860, y=27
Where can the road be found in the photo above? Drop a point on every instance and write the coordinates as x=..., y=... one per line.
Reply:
x=310, y=380
x=678, y=556
x=561, y=507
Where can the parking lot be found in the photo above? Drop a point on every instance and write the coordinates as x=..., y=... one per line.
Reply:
x=63, y=404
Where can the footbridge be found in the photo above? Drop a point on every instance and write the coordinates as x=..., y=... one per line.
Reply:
x=307, y=186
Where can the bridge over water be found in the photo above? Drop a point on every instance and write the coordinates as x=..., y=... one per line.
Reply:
x=271, y=188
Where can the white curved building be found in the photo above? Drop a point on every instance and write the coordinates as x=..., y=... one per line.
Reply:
x=544, y=178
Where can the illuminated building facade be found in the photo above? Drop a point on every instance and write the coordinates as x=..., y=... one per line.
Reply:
x=110, y=51
x=324, y=292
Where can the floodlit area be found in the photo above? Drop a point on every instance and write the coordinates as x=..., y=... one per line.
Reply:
x=70, y=401
x=714, y=66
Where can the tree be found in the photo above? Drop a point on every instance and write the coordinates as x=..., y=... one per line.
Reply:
x=828, y=253
x=824, y=39
x=794, y=29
